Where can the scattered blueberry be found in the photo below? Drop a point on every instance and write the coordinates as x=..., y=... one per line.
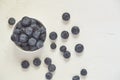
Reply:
x=53, y=45
x=63, y=48
x=25, y=64
x=66, y=16
x=53, y=35
x=76, y=77
x=51, y=67
x=65, y=34
x=75, y=30
x=11, y=21
x=37, y=61
x=79, y=48
x=83, y=72
x=48, y=75
x=67, y=54
x=48, y=61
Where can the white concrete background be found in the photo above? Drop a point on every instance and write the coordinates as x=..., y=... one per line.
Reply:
x=99, y=21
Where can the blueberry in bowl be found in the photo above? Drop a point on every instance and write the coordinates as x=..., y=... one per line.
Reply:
x=29, y=34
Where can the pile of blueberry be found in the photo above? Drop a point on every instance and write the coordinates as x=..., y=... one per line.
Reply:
x=29, y=34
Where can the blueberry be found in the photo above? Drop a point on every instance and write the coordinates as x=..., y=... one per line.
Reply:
x=26, y=21
x=76, y=77
x=24, y=44
x=17, y=31
x=33, y=21
x=48, y=75
x=48, y=61
x=18, y=25
x=25, y=64
x=15, y=37
x=29, y=31
x=42, y=30
x=51, y=67
x=39, y=44
x=18, y=43
x=66, y=16
x=53, y=45
x=36, y=34
x=79, y=48
x=37, y=62
x=75, y=30
x=26, y=48
x=34, y=27
x=53, y=35
x=32, y=41
x=23, y=38
x=33, y=48
x=43, y=37
x=63, y=48
x=66, y=54
x=83, y=72
x=65, y=34
x=11, y=21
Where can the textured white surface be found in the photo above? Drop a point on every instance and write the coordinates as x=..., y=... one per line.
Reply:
x=99, y=21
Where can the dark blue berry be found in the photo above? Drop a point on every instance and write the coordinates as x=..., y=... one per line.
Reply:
x=53, y=35
x=25, y=64
x=76, y=77
x=79, y=48
x=48, y=61
x=33, y=21
x=39, y=44
x=51, y=67
x=33, y=48
x=63, y=48
x=36, y=34
x=32, y=41
x=66, y=16
x=48, y=75
x=26, y=48
x=67, y=54
x=53, y=45
x=35, y=27
x=23, y=38
x=42, y=30
x=65, y=34
x=26, y=21
x=37, y=61
x=11, y=21
x=17, y=31
x=83, y=72
x=42, y=37
x=29, y=31
x=15, y=38
x=75, y=30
